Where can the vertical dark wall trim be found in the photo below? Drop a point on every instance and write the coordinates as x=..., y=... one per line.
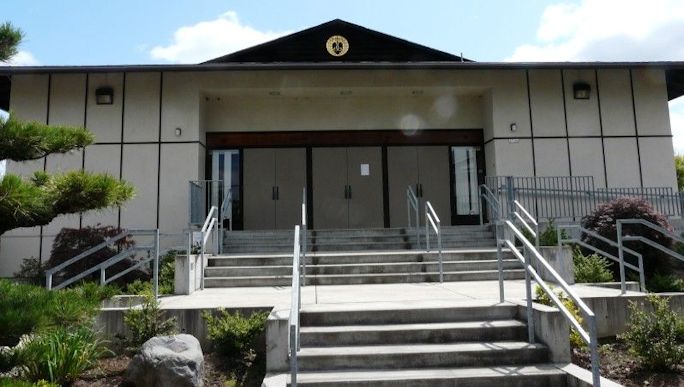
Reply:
x=85, y=125
x=161, y=98
x=385, y=187
x=47, y=122
x=529, y=108
x=603, y=142
x=123, y=111
x=636, y=127
x=565, y=119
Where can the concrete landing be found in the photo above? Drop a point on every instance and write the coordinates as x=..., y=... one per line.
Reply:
x=272, y=296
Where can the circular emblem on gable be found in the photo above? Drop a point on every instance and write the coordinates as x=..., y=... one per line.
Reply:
x=337, y=45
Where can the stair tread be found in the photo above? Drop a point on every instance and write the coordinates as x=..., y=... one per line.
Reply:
x=325, y=265
x=375, y=274
x=415, y=326
x=503, y=371
x=408, y=349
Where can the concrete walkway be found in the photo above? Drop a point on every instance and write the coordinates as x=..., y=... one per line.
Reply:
x=261, y=297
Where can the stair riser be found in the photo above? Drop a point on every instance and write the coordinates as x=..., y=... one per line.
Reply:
x=505, y=380
x=439, y=359
x=433, y=336
x=218, y=282
x=360, y=269
x=354, y=259
x=408, y=316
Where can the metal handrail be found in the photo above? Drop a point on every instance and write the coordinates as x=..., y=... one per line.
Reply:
x=530, y=218
x=578, y=241
x=211, y=225
x=304, y=237
x=295, y=306
x=432, y=219
x=493, y=204
x=103, y=266
x=412, y=201
x=531, y=251
x=227, y=208
x=621, y=239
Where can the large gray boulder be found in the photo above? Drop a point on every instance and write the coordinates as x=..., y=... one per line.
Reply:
x=167, y=361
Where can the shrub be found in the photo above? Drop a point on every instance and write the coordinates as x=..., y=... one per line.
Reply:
x=147, y=322
x=603, y=222
x=27, y=308
x=591, y=268
x=167, y=269
x=655, y=336
x=7, y=382
x=31, y=270
x=60, y=355
x=71, y=242
x=660, y=283
x=234, y=335
x=576, y=340
x=549, y=237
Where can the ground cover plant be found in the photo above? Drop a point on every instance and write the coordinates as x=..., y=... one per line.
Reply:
x=147, y=322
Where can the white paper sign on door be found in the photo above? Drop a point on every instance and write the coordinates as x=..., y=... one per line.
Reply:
x=365, y=169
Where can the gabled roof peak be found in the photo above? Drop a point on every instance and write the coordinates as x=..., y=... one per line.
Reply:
x=338, y=41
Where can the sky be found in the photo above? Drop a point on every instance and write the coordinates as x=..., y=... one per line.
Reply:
x=86, y=32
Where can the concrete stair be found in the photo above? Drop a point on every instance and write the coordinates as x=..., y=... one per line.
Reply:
x=358, y=256
x=470, y=345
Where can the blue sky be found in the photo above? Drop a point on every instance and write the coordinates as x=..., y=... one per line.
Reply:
x=81, y=32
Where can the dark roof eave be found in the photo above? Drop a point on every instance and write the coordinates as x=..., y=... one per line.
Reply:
x=673, y=68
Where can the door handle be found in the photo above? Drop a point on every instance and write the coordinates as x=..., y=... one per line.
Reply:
x=273, y=193
x=420, y=185
x=350, y=192
x=277, y=193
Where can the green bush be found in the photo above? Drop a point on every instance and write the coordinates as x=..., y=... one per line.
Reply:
x=7, y=382
x=655, y=336
x=591, y=268
x=60, y=355
x=234, y=335
x=576, y=340
x=28, y=309
x=549, y=237
x=661, y=283
x=147, y=322
x=31, y=270
x=167, y=269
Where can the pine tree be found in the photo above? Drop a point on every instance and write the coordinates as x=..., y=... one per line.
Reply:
x=36, y=201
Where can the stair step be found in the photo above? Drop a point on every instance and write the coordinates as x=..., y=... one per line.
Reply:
x=539, y=375
x=355, y=279
x=489, y=330
x=359, y=268
x=421, y=355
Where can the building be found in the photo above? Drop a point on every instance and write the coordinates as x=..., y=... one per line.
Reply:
x=353, y=115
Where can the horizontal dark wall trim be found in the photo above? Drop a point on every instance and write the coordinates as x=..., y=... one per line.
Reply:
x=219, y=140
x=571, y=137
x=150, y=143
x=453, y=65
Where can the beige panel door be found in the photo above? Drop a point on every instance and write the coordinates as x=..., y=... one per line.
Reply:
x=402, y=171
x=290, y=180
x=364, y=171
x=433, y=176
x=329, y=174
x=259, y=189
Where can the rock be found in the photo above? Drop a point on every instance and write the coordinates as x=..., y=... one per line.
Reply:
x=167, y=361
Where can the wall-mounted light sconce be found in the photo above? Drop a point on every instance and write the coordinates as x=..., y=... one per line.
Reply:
x=514, y=127
x=179, y=131
x=104, y=95
x=581, y=90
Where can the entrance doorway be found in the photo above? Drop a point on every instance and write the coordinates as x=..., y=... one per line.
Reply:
x=225, y=167
x=466, y=177
x=347, y=187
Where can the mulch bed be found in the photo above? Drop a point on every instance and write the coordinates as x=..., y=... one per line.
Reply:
x=110, y=372
x=619, y=365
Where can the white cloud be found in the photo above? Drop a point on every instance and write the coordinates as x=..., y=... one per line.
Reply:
x=209, y=39
x=23, y=58
x=608, y=30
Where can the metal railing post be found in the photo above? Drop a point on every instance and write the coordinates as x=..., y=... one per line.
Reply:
x=439, y=246
x=593, y=346
x=528, y=296
x=480, y=197
x=621, y=257
x=156, y=264
x=427, y=234
x=103, y=278
x=202, y=261
x=499, y=259
x=510, y=196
